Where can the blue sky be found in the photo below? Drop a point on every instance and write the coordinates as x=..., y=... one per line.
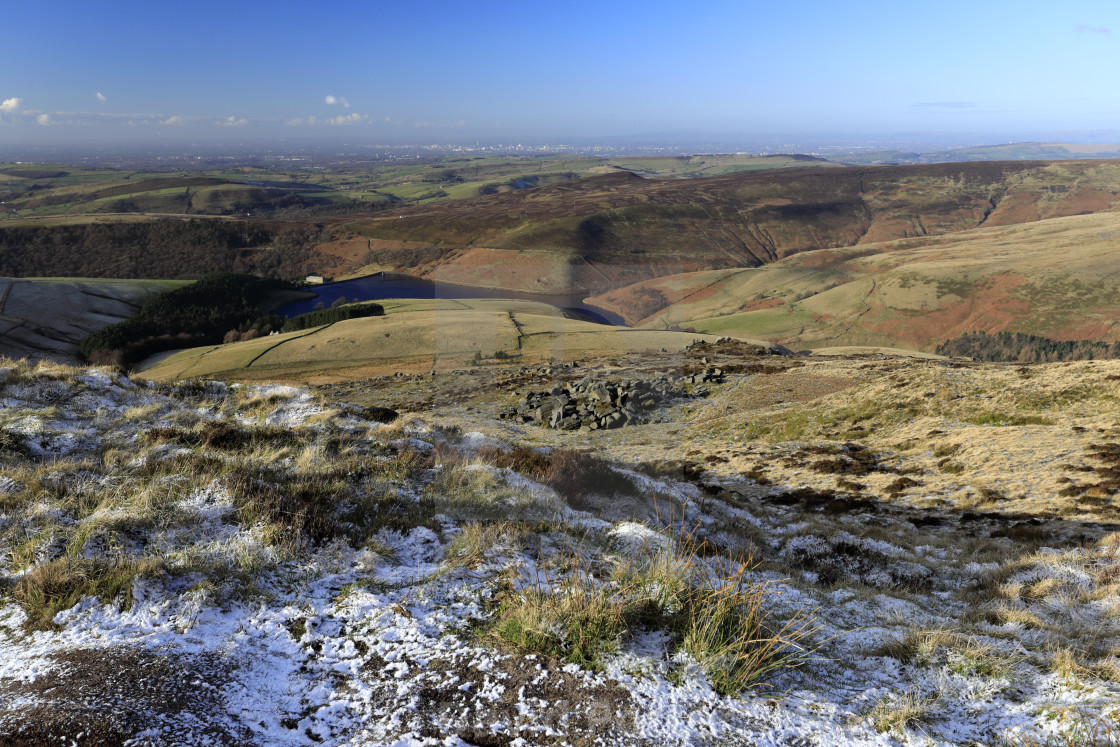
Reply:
x=239, y=70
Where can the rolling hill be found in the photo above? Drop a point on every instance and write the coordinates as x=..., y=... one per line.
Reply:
x=1058, y=278
x=414, y=336
x=35, y=192
x=902, y=256
x=30, y=194
x=591, y=234
x=606, y=232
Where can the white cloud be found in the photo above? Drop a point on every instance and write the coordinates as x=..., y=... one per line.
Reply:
x=174, y=120
x=232, y=121
x=347, y=119
x=340, y=121
x=332, y=100
x=101, y=97
x=11, y=105
x=43, y=119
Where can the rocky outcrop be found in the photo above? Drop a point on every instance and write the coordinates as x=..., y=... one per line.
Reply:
x=596, y=404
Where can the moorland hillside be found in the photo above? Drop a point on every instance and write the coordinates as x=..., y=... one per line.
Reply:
x=1057, y=278
x=608, y=229
x=606, y=232
x=818, y=256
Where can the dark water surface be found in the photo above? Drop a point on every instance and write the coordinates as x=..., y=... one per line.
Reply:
x=376, y=287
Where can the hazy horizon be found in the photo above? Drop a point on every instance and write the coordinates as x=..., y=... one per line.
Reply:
x=128, y=72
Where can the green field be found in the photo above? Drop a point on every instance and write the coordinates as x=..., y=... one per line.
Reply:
x=47, y=190
x=1057, y=278
x=414, y=336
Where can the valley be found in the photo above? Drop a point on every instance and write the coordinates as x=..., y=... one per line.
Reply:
x=809, y=256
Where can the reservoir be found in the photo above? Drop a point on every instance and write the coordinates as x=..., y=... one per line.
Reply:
x=377, y=287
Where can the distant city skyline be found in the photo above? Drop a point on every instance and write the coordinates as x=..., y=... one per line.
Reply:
x=244, y=72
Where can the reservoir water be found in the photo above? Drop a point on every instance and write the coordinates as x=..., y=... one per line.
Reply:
x=376, y=287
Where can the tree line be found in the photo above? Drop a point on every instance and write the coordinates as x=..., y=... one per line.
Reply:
x=202, y=313
x=1024, y=348
x=319, y=317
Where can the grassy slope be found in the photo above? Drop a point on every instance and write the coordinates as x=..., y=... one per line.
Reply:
x=617, y=229
x=414, y=336
x=1058, y=278
x=63, y=190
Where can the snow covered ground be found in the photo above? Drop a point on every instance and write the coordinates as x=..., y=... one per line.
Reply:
x=213, y=564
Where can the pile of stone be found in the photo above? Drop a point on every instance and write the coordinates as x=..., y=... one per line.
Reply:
x=593, y=405
x=714, y=375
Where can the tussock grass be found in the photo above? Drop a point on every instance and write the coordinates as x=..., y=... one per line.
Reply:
x=730, y=631
x=946, y=450
x=477, y=541
x=351, y=497
x=897, y=712
x=917, y=646
x=304, y=509
x=79, y=525
x=719, y=615
x=952, y=468
x=220, y=434
x=1107, y=669
x=1060, y=604
x=193, y=391
x=139, y=413
x=1004, y=419
x=1065, y=663
x=962, y=653
x=1075, y=664
x=59, y=584
x=405, y=463
x=578, y=620
x=33, y=548
x=1075, y=727
x=1004, y=615
x=459, y=482
x=13, y=445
